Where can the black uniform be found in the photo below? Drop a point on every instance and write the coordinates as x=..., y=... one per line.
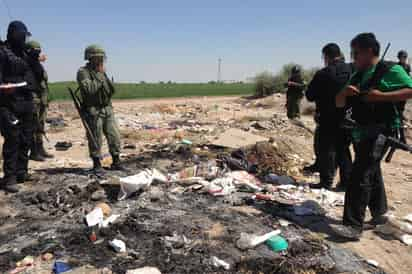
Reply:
x=333, y=141
x=16, y=109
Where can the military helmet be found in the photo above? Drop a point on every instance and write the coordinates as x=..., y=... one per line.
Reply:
x=94, y=51
x=33, y=45
x=402, y=53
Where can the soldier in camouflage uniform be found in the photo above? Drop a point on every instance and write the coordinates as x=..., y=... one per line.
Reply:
x=294, y=93
x=40, y=100
x=96, y=92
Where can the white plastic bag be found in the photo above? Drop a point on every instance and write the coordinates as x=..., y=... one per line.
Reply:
x=118, y=245
x=221, y=187
x=247, y=241
x=216, y=262
x=95, y=217
x=142, y=180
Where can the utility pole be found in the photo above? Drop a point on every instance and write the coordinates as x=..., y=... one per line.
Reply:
x=219, y=70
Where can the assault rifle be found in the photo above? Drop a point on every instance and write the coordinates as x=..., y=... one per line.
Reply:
x=78, y=104
x=383, y=144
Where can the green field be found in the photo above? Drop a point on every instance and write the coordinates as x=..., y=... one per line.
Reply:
x=58, y=91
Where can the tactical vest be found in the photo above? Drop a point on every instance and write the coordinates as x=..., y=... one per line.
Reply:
x=339, y=73
x=367, y=113
x=104, y=96
x=16, y=70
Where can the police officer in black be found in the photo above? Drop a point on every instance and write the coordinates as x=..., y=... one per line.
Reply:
x=333, y=143
x=403, y=61
x=373, y=94
x=16, y=106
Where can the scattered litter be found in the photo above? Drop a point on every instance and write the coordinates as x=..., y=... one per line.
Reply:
x=118, y=245
x=129, y=146
x=98, y=195
x=98, y=214
x=215, y=261
x=47, y=257
x=106, y=209
x=221, y=187
x=142, y=180
x=277, y=243
x=144, y=270
x=397, y=229
x=247, y=241
x=177, y=239
x=245, y=180
x=56, y=122
x=373, y=263
x=186, y=142
x=308, y=208
x=61, y=267
x=63, y=146
x=27, y=261
x=95, y=217
x=284, y=223
x=109, y=220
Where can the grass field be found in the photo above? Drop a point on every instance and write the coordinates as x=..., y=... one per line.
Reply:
x=58, y=91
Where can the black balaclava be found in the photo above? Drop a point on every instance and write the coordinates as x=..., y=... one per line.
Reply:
x=16, y=35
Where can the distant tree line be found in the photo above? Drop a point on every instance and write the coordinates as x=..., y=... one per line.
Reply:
x=267, y=83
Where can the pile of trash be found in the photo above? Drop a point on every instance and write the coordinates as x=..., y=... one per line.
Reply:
x=235, y=210
x=397, y=228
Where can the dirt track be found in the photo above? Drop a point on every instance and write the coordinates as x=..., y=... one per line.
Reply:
x=392, y=255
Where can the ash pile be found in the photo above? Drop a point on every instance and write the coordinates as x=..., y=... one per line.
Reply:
x=179, y=209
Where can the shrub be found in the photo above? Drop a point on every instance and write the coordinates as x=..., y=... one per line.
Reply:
x=267, y=83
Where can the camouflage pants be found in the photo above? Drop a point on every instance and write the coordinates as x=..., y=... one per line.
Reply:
x=103, y=122
x=39, y=123
x=293, y=107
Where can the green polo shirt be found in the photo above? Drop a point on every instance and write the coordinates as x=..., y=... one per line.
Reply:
x=396, y=78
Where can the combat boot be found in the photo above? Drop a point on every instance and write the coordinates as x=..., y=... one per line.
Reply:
x=312, y=168
x=117, y=165
x=97, y=166
x=320, y=186
x=35, y=154
x=25, y=177
x=43, y=152
x=9, y=184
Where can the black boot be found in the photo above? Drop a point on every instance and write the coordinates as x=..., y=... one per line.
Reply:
x=25, y=177
x=9, y=184
x=43, y=152
x=97, y=166
x=340, y=187
x=312, y=168
x=320, y=186
x=116, y=165
x=35, y=154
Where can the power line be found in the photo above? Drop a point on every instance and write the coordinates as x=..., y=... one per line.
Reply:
x=219, y=70
x=7, y=8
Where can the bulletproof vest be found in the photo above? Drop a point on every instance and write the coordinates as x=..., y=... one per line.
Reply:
x=365, y=113
x=104, y=95
x=17, y=70
x=339, y=74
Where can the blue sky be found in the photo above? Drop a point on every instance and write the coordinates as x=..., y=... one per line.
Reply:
x=181, y=40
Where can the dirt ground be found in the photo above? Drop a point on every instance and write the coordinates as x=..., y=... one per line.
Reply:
x=146, y=124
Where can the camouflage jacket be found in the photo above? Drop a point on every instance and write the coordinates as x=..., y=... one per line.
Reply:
x=95, y=87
